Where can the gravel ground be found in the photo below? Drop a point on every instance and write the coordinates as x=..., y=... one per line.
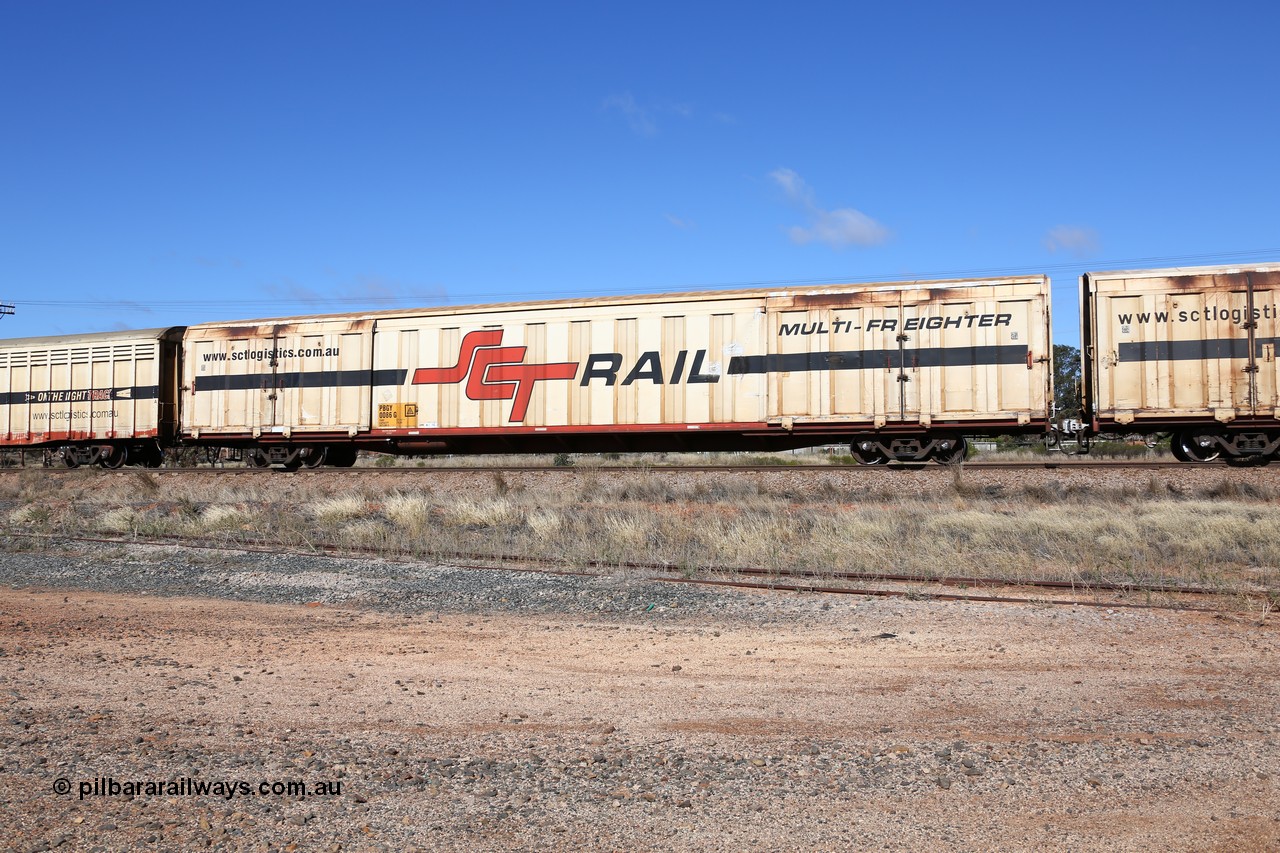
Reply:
x=401, y=587
x=473, y=710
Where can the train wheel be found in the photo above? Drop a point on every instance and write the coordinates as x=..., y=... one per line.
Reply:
x=256, y=458
x=114, y=458
x=1198, y=448
x=868, y=455
x=69, y=457
x=1175, y=445
x=953, y=455
x=313, y=457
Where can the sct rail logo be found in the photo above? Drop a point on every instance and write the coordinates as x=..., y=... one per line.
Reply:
x=495, y=372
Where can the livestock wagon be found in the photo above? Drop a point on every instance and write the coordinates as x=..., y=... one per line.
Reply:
x=900, y=371
x=1190, y=351
x=104, y=398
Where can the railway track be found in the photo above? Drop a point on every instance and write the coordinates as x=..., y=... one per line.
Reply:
x=1083, y=593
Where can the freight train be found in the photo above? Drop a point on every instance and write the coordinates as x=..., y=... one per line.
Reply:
x=898, y=371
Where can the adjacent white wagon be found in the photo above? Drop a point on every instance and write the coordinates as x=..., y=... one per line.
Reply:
x=106, y=398
x=1192, y=351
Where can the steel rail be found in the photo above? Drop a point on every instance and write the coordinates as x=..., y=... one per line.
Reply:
x=755, y=571
x=513, y=565
x=262, y=546
x=940, y=596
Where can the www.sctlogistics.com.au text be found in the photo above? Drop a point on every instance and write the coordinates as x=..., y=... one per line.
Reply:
x=227, y=789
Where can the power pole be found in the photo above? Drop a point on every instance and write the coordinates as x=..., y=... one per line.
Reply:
x=5, y=308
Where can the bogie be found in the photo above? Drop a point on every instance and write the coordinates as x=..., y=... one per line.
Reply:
x=876, y=450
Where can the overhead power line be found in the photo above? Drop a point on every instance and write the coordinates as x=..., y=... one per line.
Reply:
x=320, y=302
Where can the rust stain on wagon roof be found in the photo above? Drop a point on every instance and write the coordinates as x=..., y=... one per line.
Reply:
x=1266, y=279
x=1192, y=282
x=1235, y=279
x=829, y=300
x=269, y=329
x=950, y=294
x=232, y=332
x=775, y=295
x=960, y=292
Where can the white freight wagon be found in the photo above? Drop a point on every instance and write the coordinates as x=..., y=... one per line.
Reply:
x=899, y=370
x=102, y=398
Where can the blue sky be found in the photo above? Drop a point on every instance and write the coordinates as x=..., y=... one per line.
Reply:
x=173, y=163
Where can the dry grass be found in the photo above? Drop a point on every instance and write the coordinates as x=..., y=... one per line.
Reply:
x=30, y=514
x=337, y=509
x=544, y=524
x=222, y=517
x=465, y=512
x=122, y=519
x=410, y=511
x=1142, y=534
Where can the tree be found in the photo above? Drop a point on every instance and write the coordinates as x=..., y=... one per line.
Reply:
x=1066, y=381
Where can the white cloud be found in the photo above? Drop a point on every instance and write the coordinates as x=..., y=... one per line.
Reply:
x=355, y=290
x=644, y=118
x=840, y=228
x=682, y=110
x=837, y=228
x=213, y=263
x=638, y=118
x=289, y=289
x=682, y=224
x=793, y=185
x=384, y=291
x=1076, y=240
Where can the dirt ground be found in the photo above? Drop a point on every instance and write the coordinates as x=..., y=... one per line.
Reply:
x=889, y=725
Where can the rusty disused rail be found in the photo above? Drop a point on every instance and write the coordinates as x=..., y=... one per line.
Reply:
x=755, y=571
x=778, y=580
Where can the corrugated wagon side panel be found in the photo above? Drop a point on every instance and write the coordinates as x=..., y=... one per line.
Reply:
x=227, y=380
x=988, y=353
x=969, y=352
x=596, y=366
x=912, y=355
x=323, y=377
x=830, y=362
x=278, y=379
x=15, y=418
